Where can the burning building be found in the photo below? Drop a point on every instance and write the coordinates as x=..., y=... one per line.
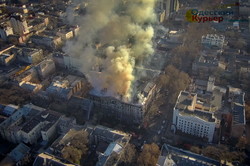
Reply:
x=115, y=37
x=120, y=108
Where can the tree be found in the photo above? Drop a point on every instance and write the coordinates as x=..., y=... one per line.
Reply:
x=241, y=145
x=112, y=160
x=149, y=155
x=72, y=154
x=195, y=149
x=80, y=141
x=27, y=160
x=231, y=34
x=10, y=94
x=223, y=153
x=77, y=146
x=174, y=81
x=212, y=152
x=163, y=80
x=241, y=43
x=247, y=108
x=129, y=155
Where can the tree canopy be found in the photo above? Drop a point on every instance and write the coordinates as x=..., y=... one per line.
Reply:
x=149, y=155
x=76, y=147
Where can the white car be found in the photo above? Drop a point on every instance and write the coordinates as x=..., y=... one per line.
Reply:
x=163, y=122
x=159, y=132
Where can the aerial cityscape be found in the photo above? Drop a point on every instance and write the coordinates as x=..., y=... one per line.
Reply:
x=124, y=82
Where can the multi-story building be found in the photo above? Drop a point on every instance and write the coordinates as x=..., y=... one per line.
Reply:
x=19, y=24
x=51, y=42
x=28, y=124
x=174, y=156
x=7, y=55
x=29, y=55
x=125, y=111
x=213, y=40
x=169, y=6
x=38, y=24
x=17, y=9
x=195, y=116
x=65, y=33
x=236, y=99
x=7, y=58
x=204, y=65
x=48, y=159
x=5, y=31
x=244, y=8
x=107, y=141
x=62, y=88
x=45, y=68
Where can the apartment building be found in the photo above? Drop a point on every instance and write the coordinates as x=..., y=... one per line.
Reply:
x=28, y=124
x=213, y=40
x=195, y=116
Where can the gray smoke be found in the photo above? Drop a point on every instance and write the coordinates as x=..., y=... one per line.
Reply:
x=114, y=35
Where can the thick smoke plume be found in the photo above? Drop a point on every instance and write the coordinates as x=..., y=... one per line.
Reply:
x=114, y=36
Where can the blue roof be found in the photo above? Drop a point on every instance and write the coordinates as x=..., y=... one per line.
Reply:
x=19, y=152
x=10, y=109
x=239, y=113
x=182, y=157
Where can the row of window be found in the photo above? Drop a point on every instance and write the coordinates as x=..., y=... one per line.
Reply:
x=193, y=128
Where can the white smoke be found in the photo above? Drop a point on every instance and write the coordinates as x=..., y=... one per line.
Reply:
x=114, y=35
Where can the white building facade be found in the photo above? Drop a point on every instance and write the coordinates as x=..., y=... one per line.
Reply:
x=194, y=125
x=189, y=119
x=213, y=40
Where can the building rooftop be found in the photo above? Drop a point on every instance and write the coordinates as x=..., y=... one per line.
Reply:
x=201, y=82
x=239, y=114
x=108, y=133
x=175, y=156
x=189, y=104
x=26, y=110
x=48, y=159
x=29, y=51
x=207, y=61
x=19, y=152
x=50, y=117
x=214, y=36
x=199, y=114
x=29, y=126
x=185, y=99
x=10, y=109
